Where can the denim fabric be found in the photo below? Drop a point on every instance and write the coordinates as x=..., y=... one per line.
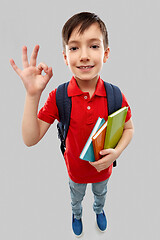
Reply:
x=77, y=192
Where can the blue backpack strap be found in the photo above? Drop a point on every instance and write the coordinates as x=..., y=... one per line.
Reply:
x=114, y=97
x=64, y=107
x=114, y=100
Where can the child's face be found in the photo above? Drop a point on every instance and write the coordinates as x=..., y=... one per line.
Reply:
x=85, y=53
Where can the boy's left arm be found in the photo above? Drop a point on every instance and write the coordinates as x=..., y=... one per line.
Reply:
x=110, y=155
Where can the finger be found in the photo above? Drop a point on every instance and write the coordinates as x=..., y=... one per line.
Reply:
x=101, y=167
x=48, y=75
x=14, y=66
x=93, y=163
x=24, y=57
x=96, y=163
x=97, y=166
x=98, y=170
x=42, y=66
x=34, y=56
x=105, y=151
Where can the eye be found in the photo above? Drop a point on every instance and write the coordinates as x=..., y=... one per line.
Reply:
x=95, y=46
x=73, y=48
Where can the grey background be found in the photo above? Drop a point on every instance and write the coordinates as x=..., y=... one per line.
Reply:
x=34, y=194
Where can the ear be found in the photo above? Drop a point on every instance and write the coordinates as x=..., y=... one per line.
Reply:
x=65, y=58
x=106, y=55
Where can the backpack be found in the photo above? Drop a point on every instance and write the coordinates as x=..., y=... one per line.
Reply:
x=64, y=105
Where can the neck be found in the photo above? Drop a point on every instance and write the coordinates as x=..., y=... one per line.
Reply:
x=87, y=85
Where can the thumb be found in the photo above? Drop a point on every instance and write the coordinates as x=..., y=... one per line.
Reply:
x=104, y=151
x=48, y=75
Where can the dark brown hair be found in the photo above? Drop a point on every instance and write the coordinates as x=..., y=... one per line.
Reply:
x=84, y=20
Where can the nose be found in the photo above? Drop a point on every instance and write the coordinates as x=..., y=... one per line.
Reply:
x=84, y=55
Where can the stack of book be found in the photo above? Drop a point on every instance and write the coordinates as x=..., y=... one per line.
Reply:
x=104, y=135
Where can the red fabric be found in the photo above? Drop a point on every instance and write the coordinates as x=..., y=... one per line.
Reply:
x=84, y=114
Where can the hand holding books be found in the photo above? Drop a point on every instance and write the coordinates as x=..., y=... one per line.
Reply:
x=108, y=157
x=106, y=137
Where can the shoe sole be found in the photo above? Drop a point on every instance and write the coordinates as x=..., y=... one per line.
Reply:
x=100, y=229
x=78, y=236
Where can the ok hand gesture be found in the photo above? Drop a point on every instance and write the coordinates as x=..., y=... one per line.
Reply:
x=31, y=75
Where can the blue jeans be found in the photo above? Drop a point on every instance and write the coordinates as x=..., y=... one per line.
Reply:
x=77, y=192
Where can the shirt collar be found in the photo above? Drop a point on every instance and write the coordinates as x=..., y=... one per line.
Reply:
x=74, y=90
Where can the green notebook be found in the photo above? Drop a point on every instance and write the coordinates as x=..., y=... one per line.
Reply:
x=115, y=126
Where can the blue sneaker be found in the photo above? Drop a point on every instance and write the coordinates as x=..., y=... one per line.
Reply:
x=77, y=226
x=101, y=221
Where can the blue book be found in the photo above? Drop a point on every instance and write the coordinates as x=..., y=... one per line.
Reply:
x=88, y=152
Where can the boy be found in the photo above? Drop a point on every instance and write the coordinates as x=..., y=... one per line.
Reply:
x=85, y=49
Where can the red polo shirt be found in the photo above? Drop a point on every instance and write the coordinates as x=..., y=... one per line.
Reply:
x=84, y=114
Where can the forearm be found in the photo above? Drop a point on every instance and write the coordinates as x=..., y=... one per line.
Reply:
x=125, y=140
x=30, y=124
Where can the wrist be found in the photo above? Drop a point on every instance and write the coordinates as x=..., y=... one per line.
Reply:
x=33, y=97
x=31, y=104
x=118, y=152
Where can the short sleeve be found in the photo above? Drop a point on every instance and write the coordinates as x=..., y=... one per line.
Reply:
x=49, y=112
x=125, y=103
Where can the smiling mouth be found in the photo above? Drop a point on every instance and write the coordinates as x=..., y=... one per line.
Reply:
x=85, y=67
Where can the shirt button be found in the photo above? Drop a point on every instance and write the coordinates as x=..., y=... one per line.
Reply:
x=88, y=107
x=85, y=97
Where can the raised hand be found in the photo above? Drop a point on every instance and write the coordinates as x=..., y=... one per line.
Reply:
x=31, y=75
